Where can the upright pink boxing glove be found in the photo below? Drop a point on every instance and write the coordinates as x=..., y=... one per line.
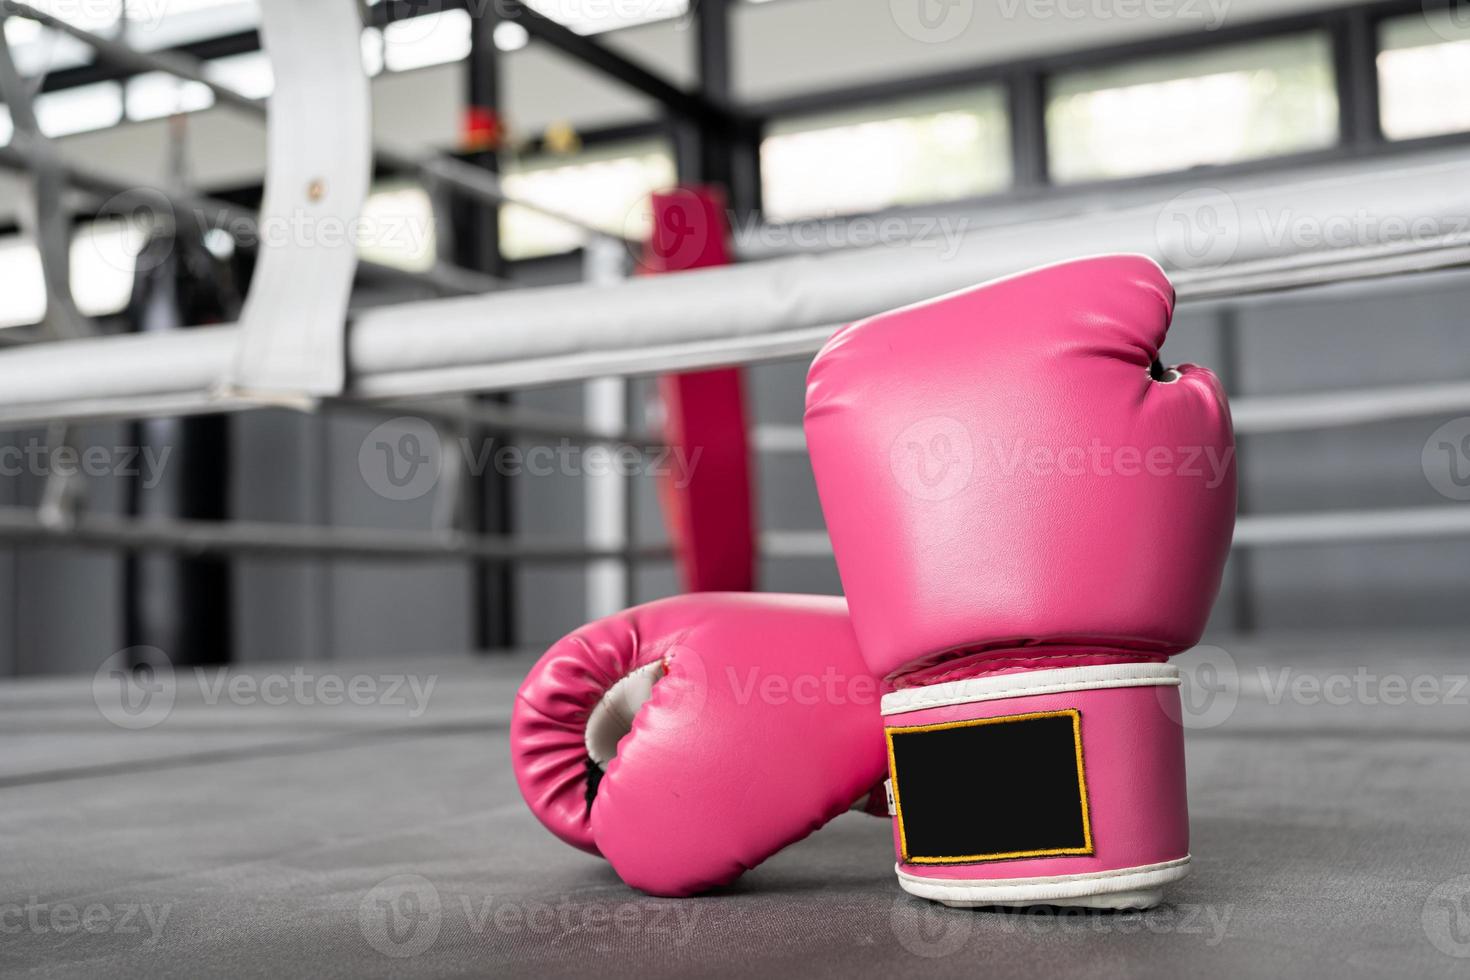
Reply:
x=1030, y=515
x=689, y=739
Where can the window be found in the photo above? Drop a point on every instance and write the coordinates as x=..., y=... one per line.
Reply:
x=157, y=94
x=24, y=298
x=608, y=188
x=155, y=24
x=373, y=50
x=80, y=109
x=429, y=39
x=39, y=50
x=249, y=74
x=1424, y=75
x=1241, y=102
x=934, y=149
x=397, y=227
x=103, y=256
x=586, y=17
x=7, y=128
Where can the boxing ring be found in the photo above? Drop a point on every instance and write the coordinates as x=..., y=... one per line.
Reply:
x=1327, y=837
x=1328, y=840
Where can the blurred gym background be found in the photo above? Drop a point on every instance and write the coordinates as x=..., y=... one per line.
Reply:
x=859, y=114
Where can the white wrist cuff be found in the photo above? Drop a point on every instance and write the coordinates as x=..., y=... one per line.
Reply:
x=999, y=687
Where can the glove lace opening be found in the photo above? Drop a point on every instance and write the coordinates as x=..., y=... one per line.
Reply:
x=594, y=779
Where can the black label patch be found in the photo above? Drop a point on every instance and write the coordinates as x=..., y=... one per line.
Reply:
x=991, y=789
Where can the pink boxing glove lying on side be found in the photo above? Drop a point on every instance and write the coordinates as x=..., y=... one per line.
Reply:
x=689, y=739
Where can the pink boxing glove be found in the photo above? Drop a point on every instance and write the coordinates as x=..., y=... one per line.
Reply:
x=689, y=739
x=1030, y=515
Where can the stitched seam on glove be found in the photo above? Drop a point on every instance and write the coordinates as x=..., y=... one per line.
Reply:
x=1083, y=656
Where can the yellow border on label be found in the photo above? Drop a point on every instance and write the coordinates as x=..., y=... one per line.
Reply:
x=1072, y=713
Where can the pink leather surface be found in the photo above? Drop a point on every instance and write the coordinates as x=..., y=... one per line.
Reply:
x=953, y=445
x=707, y=502
x=765, y=726
x=1133, y=756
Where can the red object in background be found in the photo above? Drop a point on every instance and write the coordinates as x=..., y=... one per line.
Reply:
x=480, y=129
x=706, y=493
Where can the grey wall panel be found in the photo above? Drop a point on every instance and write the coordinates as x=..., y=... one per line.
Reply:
x=280, y=605
x=1231, y=605
x=1402, y=335
x=777, y=392
x=9, y=656
x=1195, y=338
x=1377, y=465
x=389, y=609
x=656, y=580
x=68, y=602
x=813, y=576
x=787, y=493
x=1384, y=585
x=68, y=610
x=550, y=600
x=383, y=609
